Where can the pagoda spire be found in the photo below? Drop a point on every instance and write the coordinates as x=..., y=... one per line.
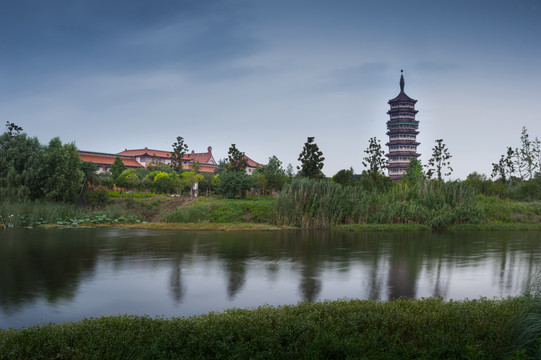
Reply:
x=402, y=82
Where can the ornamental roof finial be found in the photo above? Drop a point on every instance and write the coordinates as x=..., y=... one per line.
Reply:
x=401, y=81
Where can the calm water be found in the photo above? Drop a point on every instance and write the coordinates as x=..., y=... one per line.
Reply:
x=55, y=275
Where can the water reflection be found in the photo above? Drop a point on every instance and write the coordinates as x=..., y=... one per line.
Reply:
x=90, y=272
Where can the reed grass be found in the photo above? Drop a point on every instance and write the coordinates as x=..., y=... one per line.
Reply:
x=322, y=204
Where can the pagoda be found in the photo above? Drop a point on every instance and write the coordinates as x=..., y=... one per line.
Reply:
x=402, y=130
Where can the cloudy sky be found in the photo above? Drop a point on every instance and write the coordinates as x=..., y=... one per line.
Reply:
x=265, y=75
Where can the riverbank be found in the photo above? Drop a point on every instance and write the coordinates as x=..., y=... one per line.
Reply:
x=214, y=213
x=399, y=329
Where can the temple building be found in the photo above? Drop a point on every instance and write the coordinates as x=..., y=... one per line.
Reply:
x=402, y=130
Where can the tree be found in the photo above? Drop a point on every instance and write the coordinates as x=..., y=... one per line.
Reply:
x=528, y=159
x=179, y=150
x=62, y=171
x=236, y=160
x=117, y=168
x=311, y=159
x=343, y=177
x=375, y=161
x=290, y=171
x=439, y=163
x=414, y=172
x=234, y=183
x=13, y=130
x=191, y=178
x=273, y=173
x=128, y=179
x=504, y=168
x=89, y=170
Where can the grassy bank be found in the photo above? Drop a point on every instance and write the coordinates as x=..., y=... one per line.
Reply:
x=220, y=211
x=400, y=329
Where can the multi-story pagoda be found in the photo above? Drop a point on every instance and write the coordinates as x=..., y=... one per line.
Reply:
x=402, y=130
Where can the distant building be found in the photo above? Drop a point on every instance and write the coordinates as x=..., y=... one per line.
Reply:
x=104, y=161
x=251, y=165
x=138, y=158
x=402, y=131
x=148, y=156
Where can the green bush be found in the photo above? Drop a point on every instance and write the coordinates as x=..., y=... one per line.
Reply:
x=345, y=329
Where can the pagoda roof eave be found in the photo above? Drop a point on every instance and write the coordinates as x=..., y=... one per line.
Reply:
x=402, y=153
x=402, y=97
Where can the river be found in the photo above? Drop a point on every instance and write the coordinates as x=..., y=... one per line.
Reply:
x=56, y=275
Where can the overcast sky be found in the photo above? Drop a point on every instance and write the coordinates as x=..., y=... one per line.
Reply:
x=265, y=75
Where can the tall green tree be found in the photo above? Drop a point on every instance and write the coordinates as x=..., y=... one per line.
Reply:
x=375, y=161
x=439, y=164
x=311, y=159
x=62, y=172
x=273, y=173
x=236, y=161
x=414, y=172
x=21, y=167
x=528, y=160
x=179, y=150
x=117, y=168
x=505, y=167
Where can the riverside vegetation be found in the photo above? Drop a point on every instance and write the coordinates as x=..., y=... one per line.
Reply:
x=398, y=329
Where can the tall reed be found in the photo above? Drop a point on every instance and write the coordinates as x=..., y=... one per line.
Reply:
x=321, y=204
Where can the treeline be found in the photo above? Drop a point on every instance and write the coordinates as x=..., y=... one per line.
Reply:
x=30, y=170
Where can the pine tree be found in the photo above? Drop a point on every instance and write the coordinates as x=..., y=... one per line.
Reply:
x=179, y=150
x=311, y=159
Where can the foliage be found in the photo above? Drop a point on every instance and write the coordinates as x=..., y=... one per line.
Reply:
x=128, y=179
x=235, y=184
x=322, y=204
x=344, y=329
x=311, y=159
x=223, y=211
x=13, y=130
x=191, y=178
x=375, y=162
x=273, y=175
x=21, y=167
x=343, y=177
x=414, y=172
x=439, y=163
x=165, y=183
x=179, y=150
x=504, y=168
x=236, y=161
x=117, y=168
x=526, y=157
x=62, y=167
x=40, y=212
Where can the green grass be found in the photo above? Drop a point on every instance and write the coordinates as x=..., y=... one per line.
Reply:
x=212, y=210
x=345, y=329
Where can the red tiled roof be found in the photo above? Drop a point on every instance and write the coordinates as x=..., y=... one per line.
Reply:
x=105, y=159
x=252, y=163
x=146, y=151
x=204, y=168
